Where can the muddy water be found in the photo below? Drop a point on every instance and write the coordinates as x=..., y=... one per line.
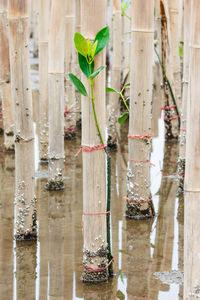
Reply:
x=148, y=254
x=51, y=269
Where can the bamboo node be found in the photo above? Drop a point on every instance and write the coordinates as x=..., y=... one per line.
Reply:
x=174, y=11
x=142, y=30
x=194, y=46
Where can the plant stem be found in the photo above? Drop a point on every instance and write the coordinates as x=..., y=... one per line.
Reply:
x=169, y=85
x=124, y=100
x=93, y=107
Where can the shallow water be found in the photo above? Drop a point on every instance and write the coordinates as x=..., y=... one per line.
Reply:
x=52, y=267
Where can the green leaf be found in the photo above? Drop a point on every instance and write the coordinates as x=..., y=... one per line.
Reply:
x=84, y=66
x=108, y=89
x=78, y=84
x=94, y=47
x=181, y=42
x=125, y=4
x=102, y=38
x=81, y=44
x=93, y=75
x=180, y=51
x=123, y=118
x=120, y=295
x=152, y=246
x=127, y=84
x=123, y=251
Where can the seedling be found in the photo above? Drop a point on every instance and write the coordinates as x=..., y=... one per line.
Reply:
x=125, y=4
x=123, y=117
x=86, y=54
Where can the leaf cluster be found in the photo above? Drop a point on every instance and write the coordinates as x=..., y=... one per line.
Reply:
x=86, y=54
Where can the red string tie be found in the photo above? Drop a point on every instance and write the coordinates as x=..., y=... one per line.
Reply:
x=183, y=129
x=166, y=108
x=142, y=161
x=141, y=136
x=172, y=118
x=90, y=148
x=98, y=269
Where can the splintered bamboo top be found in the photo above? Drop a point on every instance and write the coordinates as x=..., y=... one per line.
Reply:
x=142, y=14
x=17, y=8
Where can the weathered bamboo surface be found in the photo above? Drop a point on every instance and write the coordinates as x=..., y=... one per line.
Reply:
x=171, y=67
x=114, y=104
x=70, y=60
x=93, y=16
x=185, y=82
x=44, y=14
x=139, y=204
x=56, y=96
x=25, y=211
x=5, y=93
x=192, y=172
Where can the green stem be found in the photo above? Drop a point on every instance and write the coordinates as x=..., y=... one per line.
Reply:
x=169, y=85
x=124, y=100
x=93, y=107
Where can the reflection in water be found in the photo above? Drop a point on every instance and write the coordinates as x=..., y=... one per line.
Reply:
x=139, y=248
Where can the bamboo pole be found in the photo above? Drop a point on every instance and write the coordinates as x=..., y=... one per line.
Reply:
x=182, y=138
x=114, y=104
x=5, y=79
x=93, y=17
x=78, y=4
x=35, y=25
x=175, y=22
x=56, y=95
x=126, y=45
x=171, y=114
x=25, y=210
x=44, y=14
x=70, y=59
x=192, y=172
x=139, y=200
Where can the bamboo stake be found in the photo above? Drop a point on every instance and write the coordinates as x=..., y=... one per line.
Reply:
x=5, y=79
x=44, y=14
x=25, y=210
x=93, y=16
x=35, y=22
x=126, y=45
x=114, y=104
x=139, y=202
x=78, y=4
x=56, y=96
x=181, y=160
x=70, y=58
x=192, y=172
x=171, y=115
